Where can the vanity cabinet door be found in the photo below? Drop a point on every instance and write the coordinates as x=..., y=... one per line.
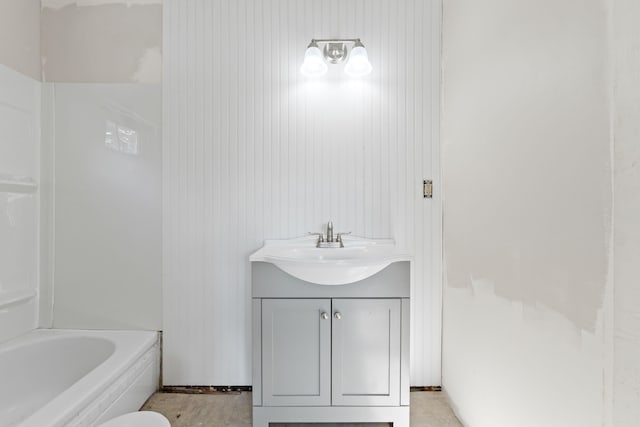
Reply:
x=296, y=352
x=366, y=352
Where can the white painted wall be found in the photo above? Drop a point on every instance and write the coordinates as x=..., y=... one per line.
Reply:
x=19, y=201
x=527, y=211
x=254, y=151
x=625, y=44
x=107, y=214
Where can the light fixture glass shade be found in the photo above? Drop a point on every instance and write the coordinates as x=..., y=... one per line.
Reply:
x=313, y=64
x=358, y=64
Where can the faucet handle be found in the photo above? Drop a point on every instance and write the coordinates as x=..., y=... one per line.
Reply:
x=320, y=236
x=339, y=238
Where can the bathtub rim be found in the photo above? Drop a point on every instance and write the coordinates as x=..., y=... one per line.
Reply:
x=130, y=346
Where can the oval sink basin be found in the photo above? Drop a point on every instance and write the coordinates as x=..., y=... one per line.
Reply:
x=360, y=258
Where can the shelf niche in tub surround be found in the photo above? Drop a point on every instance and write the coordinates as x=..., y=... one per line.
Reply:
x=17, y=184
x=18, y=246
x=9, y=298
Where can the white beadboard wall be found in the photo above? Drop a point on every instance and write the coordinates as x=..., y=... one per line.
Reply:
x=253, y=150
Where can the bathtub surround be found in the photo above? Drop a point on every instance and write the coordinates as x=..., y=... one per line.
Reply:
x=19, y=202
x=104, y=41
x=626, y=130
x=107, y=233
x=527, y=285
x=20, y=36
x=254, y=150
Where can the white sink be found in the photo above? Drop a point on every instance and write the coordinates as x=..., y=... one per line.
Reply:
x=360, y=258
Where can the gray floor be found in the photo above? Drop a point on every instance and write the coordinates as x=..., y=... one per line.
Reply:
x=428, y=409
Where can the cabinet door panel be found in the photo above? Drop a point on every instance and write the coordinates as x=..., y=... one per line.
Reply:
x=366, y=352
x=296, y=352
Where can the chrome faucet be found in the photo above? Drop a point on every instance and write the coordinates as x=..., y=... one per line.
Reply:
x=330, y=242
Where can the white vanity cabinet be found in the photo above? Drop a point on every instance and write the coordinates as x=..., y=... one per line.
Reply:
x=330, y=354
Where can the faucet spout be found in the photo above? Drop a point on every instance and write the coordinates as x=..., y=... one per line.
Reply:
x=330, y=231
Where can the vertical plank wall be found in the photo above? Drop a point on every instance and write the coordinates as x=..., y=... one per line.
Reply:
x=253, y=150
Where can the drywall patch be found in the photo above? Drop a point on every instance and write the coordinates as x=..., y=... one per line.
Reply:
x=511, y=369
x=19, y=36
x=149, y=67
x=101, y=41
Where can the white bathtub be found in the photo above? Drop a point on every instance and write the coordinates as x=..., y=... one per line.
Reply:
x=55, y=378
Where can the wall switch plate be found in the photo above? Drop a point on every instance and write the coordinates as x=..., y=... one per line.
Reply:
x=427, y=189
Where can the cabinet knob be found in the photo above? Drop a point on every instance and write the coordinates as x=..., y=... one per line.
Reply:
x=337, y=315
x=324, y=315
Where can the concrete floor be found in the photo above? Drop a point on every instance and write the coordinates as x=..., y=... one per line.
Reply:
x=428, y=409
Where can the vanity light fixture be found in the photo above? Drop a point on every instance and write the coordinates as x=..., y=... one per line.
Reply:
x=358, y=64
x=335, y=51
x=313, y=65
